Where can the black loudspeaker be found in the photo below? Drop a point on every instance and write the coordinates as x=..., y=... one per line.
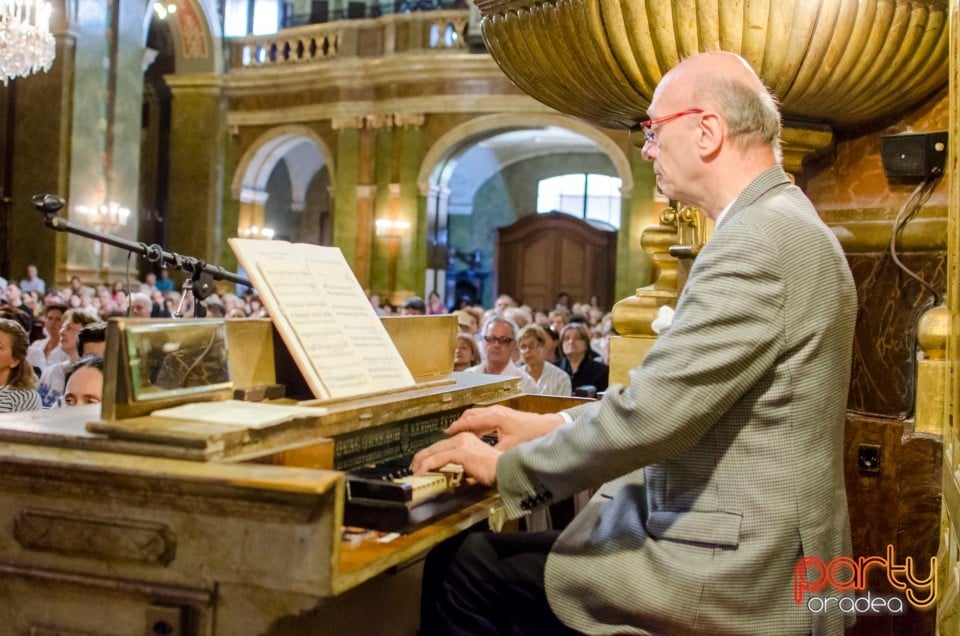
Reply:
x=914, y=155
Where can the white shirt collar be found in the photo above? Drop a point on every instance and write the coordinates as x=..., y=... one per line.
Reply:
x=722, y=214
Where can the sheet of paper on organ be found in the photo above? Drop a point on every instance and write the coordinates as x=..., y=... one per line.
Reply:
x=238, y=413
x=324, y=317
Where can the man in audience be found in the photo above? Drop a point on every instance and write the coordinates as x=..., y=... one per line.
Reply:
x=504, y=302
x=33, y=282
x=15, y=299
x=164, y=282
x=140, y=305
x=500, y=343
x=85, y=382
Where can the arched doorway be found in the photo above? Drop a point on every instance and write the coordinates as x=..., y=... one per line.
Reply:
x=283, y=185
x=483, y=175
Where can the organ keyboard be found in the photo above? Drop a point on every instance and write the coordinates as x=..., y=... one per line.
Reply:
x=148, y=523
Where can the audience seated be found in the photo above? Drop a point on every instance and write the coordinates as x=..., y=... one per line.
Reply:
x=551, y=348
x=53, y=378
x=467, y=353
x=414, y=306
x=33, y=282
x=550, y=379
x=15, y=298
x=159, y=309
x=92, y=339
x=85, y=382
x=140, y=305
x=521, y=316
x=17, y=315
x=559, y=318
x=164, y=282
x=500, y=338
x=46, y=351
x=18, y=382
x=504, y=302
x=584, y=369
x=435, y=306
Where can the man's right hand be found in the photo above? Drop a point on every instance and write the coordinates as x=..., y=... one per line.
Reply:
x=512, y=427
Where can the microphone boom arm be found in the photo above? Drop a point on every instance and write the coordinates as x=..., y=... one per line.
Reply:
x=50, y=204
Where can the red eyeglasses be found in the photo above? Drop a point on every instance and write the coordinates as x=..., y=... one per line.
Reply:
x=647, y=126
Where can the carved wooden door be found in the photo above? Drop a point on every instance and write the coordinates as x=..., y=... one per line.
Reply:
x=541, y=255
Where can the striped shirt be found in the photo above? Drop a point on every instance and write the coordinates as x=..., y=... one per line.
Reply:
x=14, y=400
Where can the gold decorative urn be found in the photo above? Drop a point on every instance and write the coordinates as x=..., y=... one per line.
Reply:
x=834, y=65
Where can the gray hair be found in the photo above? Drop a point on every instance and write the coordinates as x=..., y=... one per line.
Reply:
x=752, y=115
x=498, y=318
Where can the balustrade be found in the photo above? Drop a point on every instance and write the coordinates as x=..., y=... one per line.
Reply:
x=441, y=31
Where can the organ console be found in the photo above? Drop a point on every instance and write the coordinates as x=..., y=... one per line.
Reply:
x=180, y=508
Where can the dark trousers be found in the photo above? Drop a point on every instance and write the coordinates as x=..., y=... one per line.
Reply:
x=488, y=583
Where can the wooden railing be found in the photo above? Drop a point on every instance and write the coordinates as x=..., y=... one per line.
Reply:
x=422, y=31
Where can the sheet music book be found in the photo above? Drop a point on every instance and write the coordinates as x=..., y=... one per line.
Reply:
x=324, y=317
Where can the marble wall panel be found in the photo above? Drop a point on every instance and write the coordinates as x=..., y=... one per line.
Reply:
x=883, y=378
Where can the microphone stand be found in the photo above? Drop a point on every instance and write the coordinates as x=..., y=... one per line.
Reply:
x=202, y=274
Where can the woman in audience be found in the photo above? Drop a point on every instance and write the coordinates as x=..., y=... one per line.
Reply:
x=19, y=382
x=578, y=361
x=551, y=380
x=467, y=353
x=435, y=305
x=46, y=351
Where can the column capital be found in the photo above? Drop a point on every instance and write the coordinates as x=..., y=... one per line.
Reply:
x=408, y=119
x=366, y=191
x=352, y=121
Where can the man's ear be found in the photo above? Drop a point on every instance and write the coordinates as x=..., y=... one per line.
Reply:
x=712, y=130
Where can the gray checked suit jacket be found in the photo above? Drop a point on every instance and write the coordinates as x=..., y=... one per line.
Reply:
x=726, y=448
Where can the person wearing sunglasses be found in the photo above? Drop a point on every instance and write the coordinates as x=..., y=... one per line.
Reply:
x=719, y=466
x=500, y=347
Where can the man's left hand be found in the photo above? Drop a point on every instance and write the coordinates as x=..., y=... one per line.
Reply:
x=479, y=459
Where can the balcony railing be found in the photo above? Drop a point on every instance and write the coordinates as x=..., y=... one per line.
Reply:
x=440, y=31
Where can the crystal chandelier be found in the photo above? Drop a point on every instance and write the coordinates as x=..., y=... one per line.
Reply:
x=26, y=44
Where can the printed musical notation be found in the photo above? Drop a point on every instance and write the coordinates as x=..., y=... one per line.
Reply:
x=324, y=317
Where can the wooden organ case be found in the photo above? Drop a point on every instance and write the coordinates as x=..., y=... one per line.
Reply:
x=129, y=523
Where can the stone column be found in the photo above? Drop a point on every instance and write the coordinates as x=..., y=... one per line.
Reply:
x=385, y=247
x=197, y=144
x=411, y=205
x=352, y=208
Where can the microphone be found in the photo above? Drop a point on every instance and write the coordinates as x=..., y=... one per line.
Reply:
x=48, y=203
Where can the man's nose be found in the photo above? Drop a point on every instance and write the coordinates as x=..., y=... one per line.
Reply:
x=649, y=150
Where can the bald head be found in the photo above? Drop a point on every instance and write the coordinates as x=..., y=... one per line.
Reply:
x=724, y=81
x=715, y=128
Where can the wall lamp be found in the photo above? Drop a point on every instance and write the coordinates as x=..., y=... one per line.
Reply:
x=391, y=229
x=256, y=232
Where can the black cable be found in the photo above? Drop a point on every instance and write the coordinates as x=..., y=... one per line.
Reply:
x=914, y=203
x=129, y=288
